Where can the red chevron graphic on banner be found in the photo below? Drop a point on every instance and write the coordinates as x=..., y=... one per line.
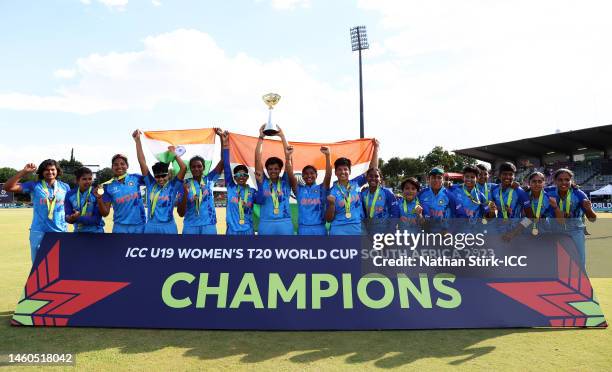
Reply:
x=50, y=301
x=567, y=301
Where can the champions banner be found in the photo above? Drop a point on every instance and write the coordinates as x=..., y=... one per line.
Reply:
x=305, y=283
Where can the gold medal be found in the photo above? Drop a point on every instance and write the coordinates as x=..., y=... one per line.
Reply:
x=276, y=210
x=100, y=191
x=348, y=215
x=535, y=231
x=484, y=221
x=241, y=222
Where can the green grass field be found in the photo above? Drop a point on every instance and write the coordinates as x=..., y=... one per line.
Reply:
x=123, y=349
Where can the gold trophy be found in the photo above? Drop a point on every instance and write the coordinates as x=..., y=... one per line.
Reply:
x=270, y=99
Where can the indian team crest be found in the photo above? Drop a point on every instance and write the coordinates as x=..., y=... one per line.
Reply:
x=441, y=201
x=131, y=183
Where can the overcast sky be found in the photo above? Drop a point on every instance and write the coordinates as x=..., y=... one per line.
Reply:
x=84, y=74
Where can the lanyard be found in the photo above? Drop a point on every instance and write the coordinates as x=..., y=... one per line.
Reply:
x=406, y=205
x=115, y=179
x=83, y=208
x=242, y=202
x=486, y=190
x=155, y=197
x=347, y=198
x=537, y=211
x=469, y=194
x=50, y=200
x=274, y=194
x=198, y=196
x=504, y=208
x=568, y=202
x=120, y=177
x=372, y=204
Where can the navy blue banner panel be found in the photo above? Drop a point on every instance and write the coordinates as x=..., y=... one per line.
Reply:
x=384, y=281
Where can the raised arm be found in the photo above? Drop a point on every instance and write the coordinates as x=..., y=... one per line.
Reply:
x=374, y=161
x=288, y=161
x=12, y=184
x=219, y=167
x=181, y=207
x=328, y=167
x=227, y=168
x=140, y=154
x=182, y=167
x=258, y=153
x=104, y=206
x=330, y=212
x=553, y=204
x=587, y=207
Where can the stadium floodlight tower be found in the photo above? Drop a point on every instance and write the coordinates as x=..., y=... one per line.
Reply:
x=359, y=42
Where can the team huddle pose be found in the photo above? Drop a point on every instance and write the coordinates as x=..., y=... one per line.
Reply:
x=347, y=207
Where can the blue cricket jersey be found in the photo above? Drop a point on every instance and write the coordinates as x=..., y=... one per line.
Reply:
x=43, y=199
x=405, y=210
x=126, y=200
x=236, y=195
x=91, y=220
x=164, y=209
x=547, y=212
x=520, y=201
x=473, y=206
x=356, y=206
x=207, y=214
x=437, y=206
x=264, y=198
x=311, y=204
x=575, y=197
x=486, y=190
x=384, y=205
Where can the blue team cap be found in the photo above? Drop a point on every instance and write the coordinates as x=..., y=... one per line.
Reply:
x=435, y=171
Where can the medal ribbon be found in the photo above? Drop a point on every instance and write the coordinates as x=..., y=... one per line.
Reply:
x=347, y=197
x=372, y=204
x=197, y=196
x=50, y=200
x=538, y=210
x=406, y=205
x=115, y=179
x=503, y=205
x=274, y=193
x=83, y=208
x=469, y=194
x=242, y=202
x=568, y=202
x=120, y=177
x=155, y=197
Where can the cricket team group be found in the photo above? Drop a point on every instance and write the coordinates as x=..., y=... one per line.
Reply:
x=353, y=205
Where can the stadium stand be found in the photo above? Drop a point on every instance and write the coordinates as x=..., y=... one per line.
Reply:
x=586, y=152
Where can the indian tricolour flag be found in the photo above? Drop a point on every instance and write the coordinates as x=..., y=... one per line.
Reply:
x=188, y=142
x=360, y=152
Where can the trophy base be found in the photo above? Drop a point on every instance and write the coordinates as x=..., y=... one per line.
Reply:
x=270, y=132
